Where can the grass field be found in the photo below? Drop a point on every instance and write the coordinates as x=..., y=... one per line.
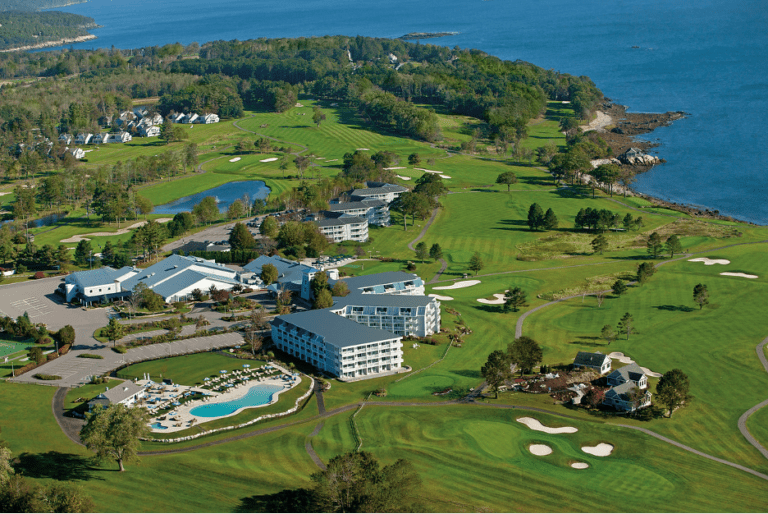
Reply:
x=479, y=461
x=189, y=370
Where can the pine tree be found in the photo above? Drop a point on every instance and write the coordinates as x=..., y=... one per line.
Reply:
x=550, y=220
x=535, y=217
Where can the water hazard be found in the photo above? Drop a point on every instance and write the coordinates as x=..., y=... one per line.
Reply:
x=224, y=194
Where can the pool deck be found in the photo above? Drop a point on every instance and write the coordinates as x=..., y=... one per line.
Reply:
x=182, y=419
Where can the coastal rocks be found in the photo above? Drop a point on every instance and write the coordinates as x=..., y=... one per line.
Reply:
x=598, y=162
x=636, y=157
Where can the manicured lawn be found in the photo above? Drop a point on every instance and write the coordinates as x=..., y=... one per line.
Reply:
x=477, y=459
x=189, y=370
x=712, y=346
x=88, y=391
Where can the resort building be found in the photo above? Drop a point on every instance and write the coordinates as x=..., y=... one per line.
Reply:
x=629, y=373
x=175, y=277
x=389, y=282
x=338, y=227
x=337, y=345
x=404, y=315
x=94, y=285
x=375, y=211
x=380, y=191
x=627, y=397
x=84, y=138
x=290, y=274
x=126, y=393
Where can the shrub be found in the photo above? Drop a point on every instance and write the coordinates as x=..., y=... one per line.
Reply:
x=99, y=380
x=119, y=349
x=38, y=275
x=43, y=376
x=179, y=305
x=45, y=340
x=66, y=335
x=89, y=356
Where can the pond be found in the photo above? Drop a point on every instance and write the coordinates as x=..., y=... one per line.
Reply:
x=224, y=194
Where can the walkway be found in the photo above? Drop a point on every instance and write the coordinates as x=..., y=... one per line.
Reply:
x=70, y=426
x=760, y=349
x=411, y=246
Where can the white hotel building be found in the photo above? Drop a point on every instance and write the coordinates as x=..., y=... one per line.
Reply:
x=337, y=345
x=404, y=315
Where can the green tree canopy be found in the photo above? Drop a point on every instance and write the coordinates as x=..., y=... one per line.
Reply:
x=600, y=244
x=525, y=352
x=514, y=298
x=269, y=227
x=476, y=263
x=268, y=273
x=701, y=295
x=508, y=178
x=645, y=271
x=535, y=217
x=421, y=251
x=496, y=370
x=626, y=325
x=672, y=390
x=673, y=245
x=206, y=211
x=114, y=331
x=240, y=238
x=114, y=432
x=619, y=287
x=655, y=245
x=550, y=220
x=435, y=252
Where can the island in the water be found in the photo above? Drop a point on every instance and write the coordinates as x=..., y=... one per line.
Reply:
x=425, y=35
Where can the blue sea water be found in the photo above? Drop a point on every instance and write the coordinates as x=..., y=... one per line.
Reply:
x=224, y=194
x=256, y=395
x=708, y=58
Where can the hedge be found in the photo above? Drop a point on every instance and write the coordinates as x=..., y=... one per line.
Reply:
x=43, y=376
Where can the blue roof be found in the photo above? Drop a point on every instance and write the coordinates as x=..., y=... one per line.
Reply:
x=171, y=266
x=395, y=278
x=185, y=279
x=382, y=300
x=287, y=271
x=98, y=277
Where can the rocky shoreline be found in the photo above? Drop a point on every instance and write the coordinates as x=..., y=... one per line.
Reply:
x=46, y=44
x=619, y=133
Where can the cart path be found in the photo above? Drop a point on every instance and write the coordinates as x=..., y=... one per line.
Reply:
x=760, y=349
x=70, y=426
x=443, y=263
x=311, y=451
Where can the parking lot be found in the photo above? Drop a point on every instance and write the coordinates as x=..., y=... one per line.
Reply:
x=43, y=305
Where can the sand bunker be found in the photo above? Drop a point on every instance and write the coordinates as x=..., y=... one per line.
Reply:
x=710, y=262
x=535, y=424
x=403, y=178
x=395, y=168
x=539, y=449
x=5, y=193
x=445, y=176
x=270, y=159
x=601, y=450
x=626, y=360
x=579, y=465
x=458, y=285
x=363, y=149
x=735, y=274
x=499, y=299
x=78, y=238
x=428, y=171
x=441, y=297
x=235, y=159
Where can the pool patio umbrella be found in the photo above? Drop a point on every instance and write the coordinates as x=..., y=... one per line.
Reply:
x=223, y=371
x=246, y=365
x=206, y=379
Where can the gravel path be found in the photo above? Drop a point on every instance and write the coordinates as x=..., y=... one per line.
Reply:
x=70, y=426
x=311, y=451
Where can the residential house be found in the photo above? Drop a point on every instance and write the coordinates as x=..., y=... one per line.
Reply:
x=208, y=118
x=93, y=285
x=121, y=137
x=153, y=131
x=178, y=117
x=596, y=360
x=102, y=138
x=191, y=118
x=126, y=393
x=140, y=111
x=338, y=345
x=621, y=397
x=83, y=138
x=629, y=373
x=339, y=227
x=404, y=315
x=77, y=153
x=66, y=139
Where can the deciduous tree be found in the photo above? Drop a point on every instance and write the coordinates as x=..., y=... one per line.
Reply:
x=496, y=370
x=114, y=331
x=525, y=352
x=701, y=295
x=268, y=273
x=508, y=178
x=672, y=390
x=608, y=334
x=421, y=251
x=114, y=432
x=269, y=227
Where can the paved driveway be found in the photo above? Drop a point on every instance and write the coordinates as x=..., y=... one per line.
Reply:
x=74, y=370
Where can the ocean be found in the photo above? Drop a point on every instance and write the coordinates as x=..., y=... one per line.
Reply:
x=708, y=58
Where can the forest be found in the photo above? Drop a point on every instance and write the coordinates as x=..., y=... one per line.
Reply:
x=35, y=5
x=19, y=28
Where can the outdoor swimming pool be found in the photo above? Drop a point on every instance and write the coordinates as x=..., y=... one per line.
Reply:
x=158, y=426
x=256, y=396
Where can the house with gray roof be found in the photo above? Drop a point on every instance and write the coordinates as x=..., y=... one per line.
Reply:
x=94, y=285
x=629, y=373
x=175, y=277
x=126, y=393
x=596, y=360
x=290, y=274
x=338, y=345
x=627, y=397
